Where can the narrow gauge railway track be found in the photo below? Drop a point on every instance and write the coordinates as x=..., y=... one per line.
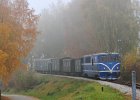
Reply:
x=117, y=82
x=127, y=84
x=130, y=84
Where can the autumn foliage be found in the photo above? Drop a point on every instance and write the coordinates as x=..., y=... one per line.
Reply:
x=130, y=62
x=17, y=34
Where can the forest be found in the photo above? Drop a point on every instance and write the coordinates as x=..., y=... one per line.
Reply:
x=88, y=26
x=91, y=26
x=74, y=29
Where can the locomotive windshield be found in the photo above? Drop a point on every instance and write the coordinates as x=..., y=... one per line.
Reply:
x=109, y=58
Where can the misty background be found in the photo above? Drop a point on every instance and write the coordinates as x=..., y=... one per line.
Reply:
x=79, y=27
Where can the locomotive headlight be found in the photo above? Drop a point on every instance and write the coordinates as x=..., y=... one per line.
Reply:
x=104, y=67
x=117, y=67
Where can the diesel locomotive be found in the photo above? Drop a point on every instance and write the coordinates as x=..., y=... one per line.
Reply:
x=104, y=66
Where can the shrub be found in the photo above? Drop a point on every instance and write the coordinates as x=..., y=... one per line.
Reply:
x=24, y=80
x=131, y=61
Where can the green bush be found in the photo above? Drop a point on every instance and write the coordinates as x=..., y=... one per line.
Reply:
x=23, y=80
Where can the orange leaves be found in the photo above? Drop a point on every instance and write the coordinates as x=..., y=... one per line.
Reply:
x=3, y=68
x=3, y=57
x=17, y=34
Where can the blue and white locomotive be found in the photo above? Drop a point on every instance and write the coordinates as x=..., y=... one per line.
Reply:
x=105, y=66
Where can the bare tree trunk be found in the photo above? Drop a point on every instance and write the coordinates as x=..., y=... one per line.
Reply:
x=0, y=94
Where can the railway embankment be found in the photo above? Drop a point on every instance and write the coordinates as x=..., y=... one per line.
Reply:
x=126, y=90
x=53, y=87
x=122, y=88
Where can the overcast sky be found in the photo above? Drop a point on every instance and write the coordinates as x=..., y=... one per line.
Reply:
x=39, y=5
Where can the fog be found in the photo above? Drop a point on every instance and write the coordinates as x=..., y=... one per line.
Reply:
x=87, y=26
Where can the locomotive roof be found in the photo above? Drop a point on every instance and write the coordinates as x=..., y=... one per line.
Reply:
x=43, y=58
x=97, y=54
x=66, y=58
x=106, y=53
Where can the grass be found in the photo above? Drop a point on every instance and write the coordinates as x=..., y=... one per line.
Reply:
x=55, y=88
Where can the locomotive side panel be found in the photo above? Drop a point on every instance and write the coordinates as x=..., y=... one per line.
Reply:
x=89, y=69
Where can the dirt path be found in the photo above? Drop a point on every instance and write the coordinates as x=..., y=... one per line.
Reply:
x=4, y=98
x=20, y=97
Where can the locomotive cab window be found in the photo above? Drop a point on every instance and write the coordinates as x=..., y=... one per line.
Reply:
x=88, y=59
x=103, y=58
x=109, y=58
x=115, y=58
x=82, y=60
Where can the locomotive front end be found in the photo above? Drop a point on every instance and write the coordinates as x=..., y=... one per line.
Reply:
x=108, y=66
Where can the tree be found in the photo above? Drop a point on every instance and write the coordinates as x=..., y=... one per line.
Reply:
x=103, y=25
x=17, y=34
x=89, y=26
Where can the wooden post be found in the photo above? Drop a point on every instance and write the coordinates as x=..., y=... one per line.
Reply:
x=133, y=85
x=0, y=89
x=0, y=94
x=102, y=89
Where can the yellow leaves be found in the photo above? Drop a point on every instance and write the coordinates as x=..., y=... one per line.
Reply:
x=4, y=32
x=130, y=60
x=17, y=34
x=5, y=28
x=3, y=68
x=3, y=57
